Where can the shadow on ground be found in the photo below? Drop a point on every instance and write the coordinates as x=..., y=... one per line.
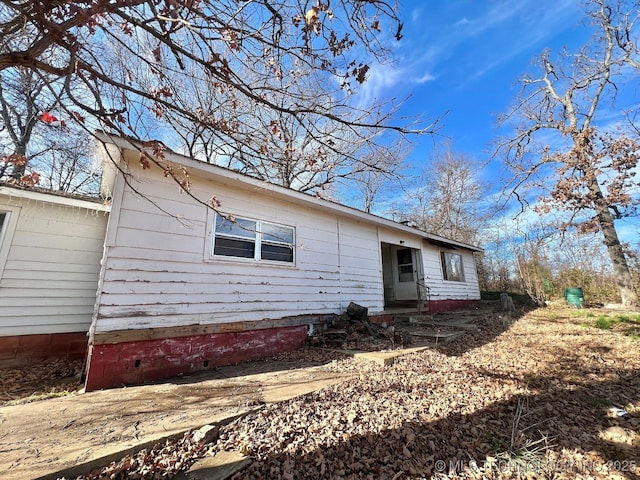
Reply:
x=566, y=415
x=491, y=320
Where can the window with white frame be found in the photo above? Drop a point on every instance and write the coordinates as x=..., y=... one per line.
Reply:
x=4, y=223
x=5, y=216
x=254, y=239
x=452, y=266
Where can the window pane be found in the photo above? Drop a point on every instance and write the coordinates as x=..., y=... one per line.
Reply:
x=276, y=233
x=404, y=257
x=232, y=247
x=280, y=253
x=3, y=216
x=452, y=267
x=405, y=273
x=240, y=228
x=456, y=271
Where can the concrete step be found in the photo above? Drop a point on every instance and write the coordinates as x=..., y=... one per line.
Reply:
x=420, y=319
x=437, y=336
x=454, y=317
x=222, y=466
x=429, y=321
x=410, y=319
x=467, y=327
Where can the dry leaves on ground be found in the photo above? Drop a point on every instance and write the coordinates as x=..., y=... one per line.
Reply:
x=37, y=382
x=532, y=398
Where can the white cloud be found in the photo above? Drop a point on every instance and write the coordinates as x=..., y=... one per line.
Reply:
x=416, y=15
x=629, y=231
x=380, y=79
x=384, y=78
x=427, y=77
x=493, y=30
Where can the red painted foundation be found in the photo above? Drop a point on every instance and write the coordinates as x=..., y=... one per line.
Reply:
x=385, y=318
x=128, y=363
x=447, y=305
x=434, y=306
x=22, y=350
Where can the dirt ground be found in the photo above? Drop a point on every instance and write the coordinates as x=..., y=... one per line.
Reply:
x=78, y=431
x=550, y=393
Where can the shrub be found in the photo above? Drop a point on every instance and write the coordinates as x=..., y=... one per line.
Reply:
x=604, y=322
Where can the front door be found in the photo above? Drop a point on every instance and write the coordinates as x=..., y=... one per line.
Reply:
x=405, y=274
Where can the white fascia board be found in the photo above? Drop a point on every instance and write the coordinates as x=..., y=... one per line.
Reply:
x=239, y=180
x=54, y=199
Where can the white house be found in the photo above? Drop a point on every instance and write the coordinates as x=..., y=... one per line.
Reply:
x=184, y=287
x=50, y=251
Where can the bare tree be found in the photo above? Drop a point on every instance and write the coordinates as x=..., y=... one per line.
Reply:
x=256, y=56
x=380, y=170
x=530, y=250
x=583, y=262
x=496, y=271
x=20, y=111
x=634, y=257
x=308, y=152
x=285, y=152
x=557, y=149
x=67, y=164
x=446, y=199
x=38, y=147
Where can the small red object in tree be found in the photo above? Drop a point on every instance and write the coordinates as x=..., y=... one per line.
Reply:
x=48, y=118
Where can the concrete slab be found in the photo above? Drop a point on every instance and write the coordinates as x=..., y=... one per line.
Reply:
x=69, y=436
x=387, y=358
x=460, y=318
x=437, y=336
x=420, y=319
x=402, y=319
x=470, y=327
x=219, y=467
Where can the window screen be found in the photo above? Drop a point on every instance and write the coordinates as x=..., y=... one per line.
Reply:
x=277, y=243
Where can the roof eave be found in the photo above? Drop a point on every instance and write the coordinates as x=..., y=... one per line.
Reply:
x=231, y=176
x=97, y=205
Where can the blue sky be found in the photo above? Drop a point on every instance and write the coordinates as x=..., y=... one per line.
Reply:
x=464, y=58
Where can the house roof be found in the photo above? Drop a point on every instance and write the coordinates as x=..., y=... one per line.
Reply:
x=54, y=197
x=232, y=177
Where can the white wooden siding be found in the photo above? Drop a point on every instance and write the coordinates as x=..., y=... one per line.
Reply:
x=50, y=277
x=440, y=289
x=361, y=264
x=434, y=279
x=400, y=239
x=159, y=272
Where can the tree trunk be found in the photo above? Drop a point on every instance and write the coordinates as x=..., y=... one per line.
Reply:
x=614, y=248
x=19, y=170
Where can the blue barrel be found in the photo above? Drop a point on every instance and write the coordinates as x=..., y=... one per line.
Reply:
x=574, y=297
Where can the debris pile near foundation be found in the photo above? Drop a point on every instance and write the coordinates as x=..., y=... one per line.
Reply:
x=352, y=330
